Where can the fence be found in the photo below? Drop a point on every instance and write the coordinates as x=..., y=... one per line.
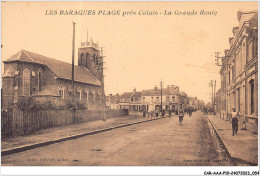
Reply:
x=17, y=123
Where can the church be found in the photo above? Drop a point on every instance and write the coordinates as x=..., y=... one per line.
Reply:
x=27, y=74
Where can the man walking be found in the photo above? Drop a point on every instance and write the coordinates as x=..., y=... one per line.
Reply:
x=181, y=114
x=234, y=122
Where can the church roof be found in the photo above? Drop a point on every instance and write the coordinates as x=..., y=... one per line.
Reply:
x=59, y=68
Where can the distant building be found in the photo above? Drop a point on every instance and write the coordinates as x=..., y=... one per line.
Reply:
x=112, y=101
x=27, y=74
x=124, y=100
x=135, y=101
x=151, y=98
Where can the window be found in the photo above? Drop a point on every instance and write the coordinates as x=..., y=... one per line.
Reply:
x=233, y=73
x=167, y=99
x=40, y=81
x=157, y=99
x=252, y=91
x=87, y=61
x=79, y=93
x=61, y=91
x=26, y=82
x=173, y=98
x=97, y=60
x=81, y=60
x=238, y=100
x=132, y=99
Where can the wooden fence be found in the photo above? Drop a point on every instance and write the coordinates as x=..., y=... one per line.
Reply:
x=16, y=123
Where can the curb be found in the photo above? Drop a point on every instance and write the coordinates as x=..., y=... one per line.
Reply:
x=230, y=152
x=45, y=143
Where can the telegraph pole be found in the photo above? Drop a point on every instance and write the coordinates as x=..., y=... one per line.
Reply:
x=73, y=51
x=212, y=84
x=101, y=62
x=161, y=95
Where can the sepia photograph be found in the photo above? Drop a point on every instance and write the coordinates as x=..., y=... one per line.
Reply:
x=130, y=83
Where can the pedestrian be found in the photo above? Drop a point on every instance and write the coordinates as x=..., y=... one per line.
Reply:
x=190, y=112
x=234, y=122
x=163, y=113
x=170, y=113
x=143, y=113
x=181, y=114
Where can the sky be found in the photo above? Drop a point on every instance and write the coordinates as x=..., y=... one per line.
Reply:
x=141, y=50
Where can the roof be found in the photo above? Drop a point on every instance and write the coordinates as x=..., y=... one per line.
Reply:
x=112, y=98
x=49, y=90
x=136, y=94
x=157, y=92
x=59, y=68
x=126, y=94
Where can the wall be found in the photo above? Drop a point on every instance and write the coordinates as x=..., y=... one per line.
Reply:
x=24, y=123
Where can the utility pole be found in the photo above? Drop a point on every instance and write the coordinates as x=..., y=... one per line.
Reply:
x=73, y=51
x=101, y=64
x=212, y=84
x=161, y=95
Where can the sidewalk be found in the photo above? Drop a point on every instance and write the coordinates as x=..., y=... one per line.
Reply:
x=66, y=131
x=242, y=147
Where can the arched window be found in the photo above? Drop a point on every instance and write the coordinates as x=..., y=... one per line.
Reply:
x=26, y=82
x=79, y=94
x=61, y=91
x=87, y=61
x=40, y=80
x=97, y=60
x=81, y=60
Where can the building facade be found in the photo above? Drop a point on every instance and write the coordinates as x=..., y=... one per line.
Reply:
x=112, y=101
x=27, y=74
x=135, y=101
x=169, y=98
x=239, y=72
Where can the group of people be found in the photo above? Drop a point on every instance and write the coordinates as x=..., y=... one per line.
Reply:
x=180, y=112
x=154, y=113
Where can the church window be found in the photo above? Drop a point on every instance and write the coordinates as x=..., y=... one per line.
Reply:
x=87, y=61
x=81, y=59
x=79, y=93
x=97, y=60
x=26, y=82
x=40, y=81
x=61, y=91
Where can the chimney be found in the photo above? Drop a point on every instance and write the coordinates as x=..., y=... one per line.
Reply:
x=117, y=94
x=134, y=90
x=155, y=87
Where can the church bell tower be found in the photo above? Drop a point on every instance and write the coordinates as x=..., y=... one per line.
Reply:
x=89, y=57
